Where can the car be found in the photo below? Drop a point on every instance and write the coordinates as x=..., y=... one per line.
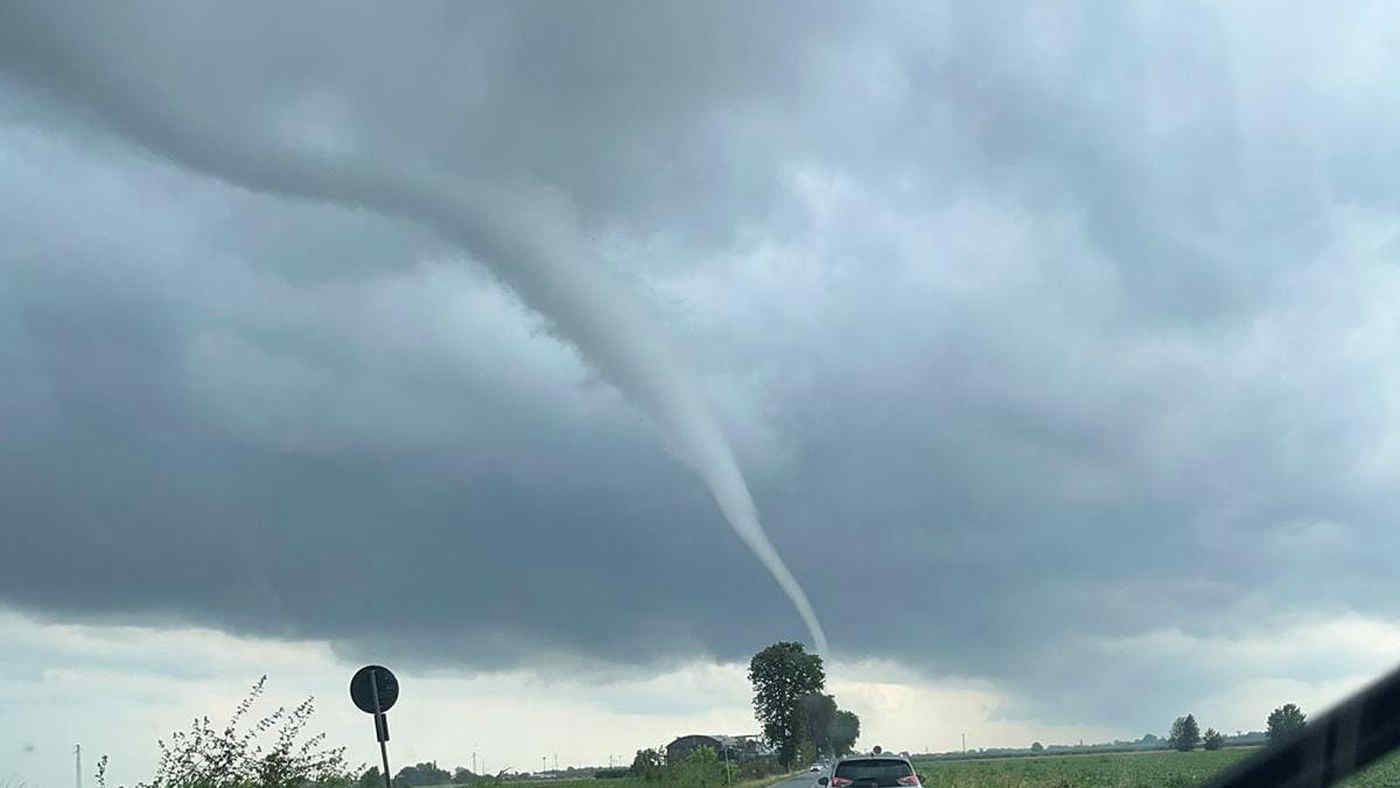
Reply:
x=871, y=771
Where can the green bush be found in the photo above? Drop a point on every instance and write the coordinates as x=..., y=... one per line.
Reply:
x=649, y=763
x=702, y=769
x=762, y=767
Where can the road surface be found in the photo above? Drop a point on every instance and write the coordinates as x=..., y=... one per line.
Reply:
x=804, y=780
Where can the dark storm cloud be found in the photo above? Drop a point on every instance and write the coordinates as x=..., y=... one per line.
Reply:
x=1074, y=330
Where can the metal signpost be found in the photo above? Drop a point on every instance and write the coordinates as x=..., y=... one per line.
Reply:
x=374, y=690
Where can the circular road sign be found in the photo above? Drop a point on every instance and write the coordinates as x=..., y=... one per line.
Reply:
x=362, y=688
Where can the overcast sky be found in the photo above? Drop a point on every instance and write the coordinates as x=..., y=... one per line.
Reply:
x=1056, y=344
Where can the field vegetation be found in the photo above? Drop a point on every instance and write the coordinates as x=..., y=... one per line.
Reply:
x=1148, y=769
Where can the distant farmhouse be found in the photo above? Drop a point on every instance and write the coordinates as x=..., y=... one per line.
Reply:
x=735, y=748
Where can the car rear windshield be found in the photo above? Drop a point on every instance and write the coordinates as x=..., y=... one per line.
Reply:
x=876, y=771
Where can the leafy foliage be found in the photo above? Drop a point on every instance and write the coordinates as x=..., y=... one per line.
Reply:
x=843, y=731
x=781, y=675
x=1212, y=740
x=816, y=713
x=206, y=757
x=1286, y=720
x=425, y=773
x=1186, y=734
x=648, y=763
x=702, y=768
x=1037, y=747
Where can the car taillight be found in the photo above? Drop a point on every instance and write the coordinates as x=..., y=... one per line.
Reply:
x=838, y=782
x=912, y=779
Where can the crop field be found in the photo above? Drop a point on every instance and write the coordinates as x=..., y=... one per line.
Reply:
x=1125, y=769
x=1113, y=770
x=1154, y=769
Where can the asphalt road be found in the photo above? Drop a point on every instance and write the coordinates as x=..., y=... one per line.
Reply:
x=804, y=780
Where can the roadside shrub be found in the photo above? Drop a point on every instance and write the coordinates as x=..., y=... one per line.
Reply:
x=205, y=757
x=702, y=768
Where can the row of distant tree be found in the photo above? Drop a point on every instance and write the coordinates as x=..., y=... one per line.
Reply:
x=1186, y=732
x=426, y=773
x=429, y=773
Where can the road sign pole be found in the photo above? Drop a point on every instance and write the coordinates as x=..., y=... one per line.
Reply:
x=381, y=726
x=374, y=689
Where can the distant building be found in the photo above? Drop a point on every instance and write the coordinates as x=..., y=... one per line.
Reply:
x=746, y=747
x=683, y=746
x=735, y=748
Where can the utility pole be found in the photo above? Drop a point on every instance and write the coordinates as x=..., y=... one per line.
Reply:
x=964, y=744
x=556, y=761
x=78, y=765
x=474, y=771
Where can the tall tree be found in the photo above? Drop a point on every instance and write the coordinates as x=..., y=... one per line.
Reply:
x=782, y=674
x=1186, y=734
x=844, y=730
x=1212, y=740
x=1285, y=720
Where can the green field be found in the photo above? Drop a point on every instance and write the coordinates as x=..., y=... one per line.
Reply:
x=1154, y=769
x=1115, y=770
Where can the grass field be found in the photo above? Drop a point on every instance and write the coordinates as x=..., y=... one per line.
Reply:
x=1126, y=769
x=1156, y=769
x=1113, y=770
